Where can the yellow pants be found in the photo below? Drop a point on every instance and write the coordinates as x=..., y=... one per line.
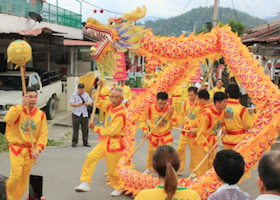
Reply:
x=111, y=159
x=177, y=107
x=151, y=150
x=101, y=115
x=200, y=153
x=19, y=177
x=183, y=142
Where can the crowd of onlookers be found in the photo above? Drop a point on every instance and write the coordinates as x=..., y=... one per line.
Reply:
x=229, y=166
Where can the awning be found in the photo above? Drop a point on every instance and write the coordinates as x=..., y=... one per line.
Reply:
x=36, y=32
x=68, y=42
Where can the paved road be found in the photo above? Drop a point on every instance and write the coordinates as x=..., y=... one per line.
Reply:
x=61, y=166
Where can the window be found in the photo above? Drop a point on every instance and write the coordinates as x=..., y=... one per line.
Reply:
x=35, y=82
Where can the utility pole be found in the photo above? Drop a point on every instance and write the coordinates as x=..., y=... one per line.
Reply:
x=194, y=26
x=214, y=23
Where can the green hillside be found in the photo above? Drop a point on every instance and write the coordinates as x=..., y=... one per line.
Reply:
x=185, y=22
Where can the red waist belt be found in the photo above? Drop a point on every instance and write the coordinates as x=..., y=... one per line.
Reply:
x=26, y=145
x=160, y=136
x=118, y=137
x=176, y=96
x=236, y=132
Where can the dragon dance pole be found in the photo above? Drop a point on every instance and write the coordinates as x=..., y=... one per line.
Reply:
x=205, y=157
x=146, y=137
x=22, y=73
x=96, y=98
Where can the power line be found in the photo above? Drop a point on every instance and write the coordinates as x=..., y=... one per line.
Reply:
x=253, y=14
x=234, y=10
x=185, y=7
x=101, y=8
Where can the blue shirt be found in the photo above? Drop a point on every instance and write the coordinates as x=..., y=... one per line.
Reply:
x=78, y=110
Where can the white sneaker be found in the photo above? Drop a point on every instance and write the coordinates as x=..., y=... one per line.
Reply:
x=179, y=173
x=117, y=193
x=83, y=187
x=147, y=171
x=194, y=175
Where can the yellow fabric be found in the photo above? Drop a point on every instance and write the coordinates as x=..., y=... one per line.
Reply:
x=111, y=144
x=114, y=126
x=159, y=194
x=151, y=150
x=187, y=138
x=17, y=134
x=177, y=91
x=177, y=106
x=209, y=125
x=17, y=126
x=214, y=90
x=20, y=170
x=155, y=115
x=162, y=133
x=127, y=92
x=185, y=96
x=186, y=112
x=105, y=93
x=183, y=142
x=237, y=119
x=111, y=159
x=226, y=146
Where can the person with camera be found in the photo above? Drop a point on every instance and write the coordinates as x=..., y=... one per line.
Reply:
x=80, y=101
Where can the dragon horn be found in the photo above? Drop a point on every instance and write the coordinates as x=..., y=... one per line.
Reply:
x=135, y=14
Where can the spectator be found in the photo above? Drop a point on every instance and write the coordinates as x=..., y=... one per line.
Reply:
x=80, y=100
x=198, y=84
x=166, y=163
x=219, y=88
x=229, y=166
x=3, y=194
x=269, y=176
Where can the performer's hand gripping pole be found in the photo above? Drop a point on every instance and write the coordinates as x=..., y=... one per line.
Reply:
x=146, y=137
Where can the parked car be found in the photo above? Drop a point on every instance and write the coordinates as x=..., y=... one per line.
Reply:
x=48, y=85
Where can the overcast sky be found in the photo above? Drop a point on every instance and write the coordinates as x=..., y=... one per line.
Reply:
x=167, y=8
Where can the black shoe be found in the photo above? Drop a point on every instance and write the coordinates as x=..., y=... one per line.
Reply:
x=73, y=145
x=86, y=145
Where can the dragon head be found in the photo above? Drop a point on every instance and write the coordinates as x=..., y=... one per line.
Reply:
x=119, y=35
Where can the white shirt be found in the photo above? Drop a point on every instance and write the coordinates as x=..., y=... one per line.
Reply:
x=268, y=197
x=229, y=192
x=79, y=110
x=198, y=85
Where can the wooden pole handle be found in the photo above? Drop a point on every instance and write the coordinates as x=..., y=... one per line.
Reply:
x=205, y=157
x=96, y=97
x=27, y=109
x=146, y=137
x=180, y=129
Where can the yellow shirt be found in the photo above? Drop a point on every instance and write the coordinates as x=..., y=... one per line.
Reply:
x=115, y=125
x=17, y=130
x=185, y=112
x=176, y=94
x=238, y=120
x=105, y=93
x=214, y=90
x=127, y=94
x=163, y=130
x=158, y=193
x=209, y=125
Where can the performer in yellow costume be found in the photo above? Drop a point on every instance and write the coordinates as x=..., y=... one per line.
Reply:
x=105, y=94
x=219, y=88
x=127, y=94
x=238, y=119
x=17, y=134
x=187, y=138
x=111, y=144
x=185, y=96
x=177, y=98
x=209, y=125
x=162, y=133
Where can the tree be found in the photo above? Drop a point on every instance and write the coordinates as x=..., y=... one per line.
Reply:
x=236, y=26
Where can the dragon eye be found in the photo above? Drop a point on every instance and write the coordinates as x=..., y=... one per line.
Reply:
x=112, y=23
